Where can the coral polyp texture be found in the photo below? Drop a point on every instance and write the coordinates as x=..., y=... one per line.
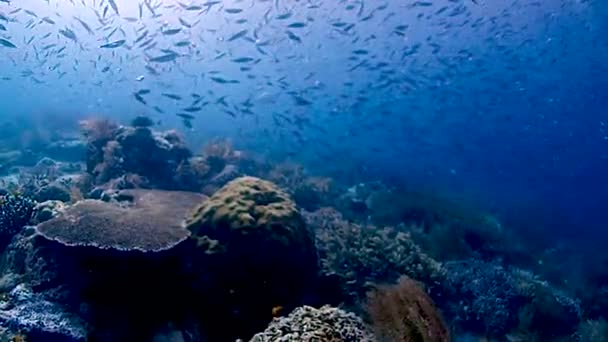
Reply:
x=151, y=222
x=249, y=209
x=363, y=254
x=15, y=212
x=308, y=324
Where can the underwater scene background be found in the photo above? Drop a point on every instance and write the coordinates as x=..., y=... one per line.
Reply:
x=282, y=170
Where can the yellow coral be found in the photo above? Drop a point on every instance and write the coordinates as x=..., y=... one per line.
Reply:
x=249, y=205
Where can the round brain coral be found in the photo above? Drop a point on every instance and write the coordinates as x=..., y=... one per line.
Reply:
x=255, y=246
x=251, y=209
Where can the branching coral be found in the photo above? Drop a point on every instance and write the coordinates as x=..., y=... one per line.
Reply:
x=15, y=212
x=405, y=313
x=360, y=255
x=548, y=311
x=491, y=299
x=483, y=297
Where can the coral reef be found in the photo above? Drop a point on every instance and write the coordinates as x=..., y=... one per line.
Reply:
x=218, y=153
x=113, y=253
x=192, y=173
x=115, y=150
x=117, y=265
x=360, y=255
x=447, y=229
x=483, y=297
x=405, y=313
x=252, y=237
x=548, y=311
x=491, y=299
x=152, y=221
x=309, y=192
x=307, y=324
x=23, y=310
x=15, y=212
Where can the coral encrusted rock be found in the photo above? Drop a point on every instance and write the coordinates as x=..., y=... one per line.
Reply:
x=258, y=248
x=307, y=324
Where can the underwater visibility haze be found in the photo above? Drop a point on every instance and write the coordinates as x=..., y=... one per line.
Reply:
x=303, y=170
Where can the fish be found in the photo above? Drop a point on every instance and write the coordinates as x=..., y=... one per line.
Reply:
x=114, y=7
x=139, y=98
x=130, y=19
x=222, y=101
x=171, y=32
x=143, y=92
x=221, y=80
x=7, y=43
x=151, y=70
x=300, y=101
x=149, y=7
x=238, y=35
x=185, y=23
x=243, y=60
x=233, y=10
x=114, y=44
x=68, y=34
x=187, y=123
x=30, y=13
x=293, y=36
x=172, y=96
x=48, y=20
x=85, y=25
x=169, y=57
x=182, y=43
x=185, y=116
x=283, y=16
x=297, y=25
x=141, y=37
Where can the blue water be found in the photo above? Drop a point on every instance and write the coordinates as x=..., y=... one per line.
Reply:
x=501, y=103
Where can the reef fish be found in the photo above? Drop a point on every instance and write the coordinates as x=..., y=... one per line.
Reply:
x=7, y=43
x=114, y=44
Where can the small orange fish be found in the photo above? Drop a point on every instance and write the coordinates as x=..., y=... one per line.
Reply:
x=277, y=311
